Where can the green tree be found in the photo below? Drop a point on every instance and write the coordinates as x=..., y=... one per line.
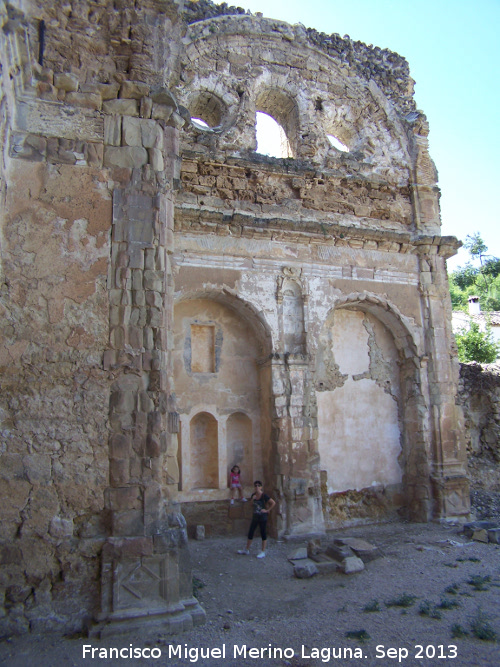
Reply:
x=482, y=280
x=476, y=345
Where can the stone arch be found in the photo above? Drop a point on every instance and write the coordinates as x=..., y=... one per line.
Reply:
x=204, y=452
x=238, y=389
x=372, y=432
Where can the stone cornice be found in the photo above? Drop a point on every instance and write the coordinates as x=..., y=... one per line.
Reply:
x=243, y=224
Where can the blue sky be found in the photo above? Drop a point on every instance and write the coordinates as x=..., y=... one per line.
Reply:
x=453, y=49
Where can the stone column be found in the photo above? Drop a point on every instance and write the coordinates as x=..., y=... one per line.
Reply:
x=417, y=437
x=146, y=575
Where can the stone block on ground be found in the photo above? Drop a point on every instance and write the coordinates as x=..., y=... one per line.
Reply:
x=304, y=569
x=339, y=551
x=325, y=564
x=361, y=548
x=351, y=565
x=478, y=530
x=298, y=554
x=494, y=535
x=200, y=532
x=480, y=535
x=314, y=547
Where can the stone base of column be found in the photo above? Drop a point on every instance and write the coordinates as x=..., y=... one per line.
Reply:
x=451, y=496
x=169, y=621
x=143, y=590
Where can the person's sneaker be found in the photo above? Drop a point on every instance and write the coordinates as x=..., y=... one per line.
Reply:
x=231, y=502
x=243, y=552
x=261, y=555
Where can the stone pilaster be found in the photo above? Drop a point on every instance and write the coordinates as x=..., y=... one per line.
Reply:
x=145, y=562
x=448, y=458
x=296, y=447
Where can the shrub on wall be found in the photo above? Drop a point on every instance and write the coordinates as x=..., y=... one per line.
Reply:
x=476, y=345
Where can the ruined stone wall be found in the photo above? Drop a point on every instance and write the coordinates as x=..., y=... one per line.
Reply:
x=115, y=205
x=88, y=164
x=479, y=396
x=298, y=239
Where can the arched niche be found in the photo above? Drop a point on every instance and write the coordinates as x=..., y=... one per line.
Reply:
x=292, y=303
x=239, y=443
x=235, y=389
x=370, y=419
x=358, y=415
x=204, y=452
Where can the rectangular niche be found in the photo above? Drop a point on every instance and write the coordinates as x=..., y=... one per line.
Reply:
x=202, y=348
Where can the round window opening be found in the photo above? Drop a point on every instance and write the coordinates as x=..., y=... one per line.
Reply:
x=207, y=111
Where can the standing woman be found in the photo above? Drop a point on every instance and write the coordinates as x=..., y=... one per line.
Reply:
x=262, y=505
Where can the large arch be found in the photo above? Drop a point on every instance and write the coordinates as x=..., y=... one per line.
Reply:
x=372, y=433
x=235, y=392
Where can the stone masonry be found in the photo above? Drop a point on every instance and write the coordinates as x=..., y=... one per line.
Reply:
x=172, y=302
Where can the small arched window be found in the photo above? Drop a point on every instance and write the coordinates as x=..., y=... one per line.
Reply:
x=207, y=110
x=277, y=122
x=271, y=137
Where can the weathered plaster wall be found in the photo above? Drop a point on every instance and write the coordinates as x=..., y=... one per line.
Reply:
x=359, y=448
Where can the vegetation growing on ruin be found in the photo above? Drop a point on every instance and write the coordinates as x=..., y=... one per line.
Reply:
x=476, y=345
x=479, y=277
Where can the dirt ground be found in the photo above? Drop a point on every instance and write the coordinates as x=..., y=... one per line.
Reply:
x=451, y=586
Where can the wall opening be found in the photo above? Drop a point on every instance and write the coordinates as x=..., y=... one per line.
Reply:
x=282, y=109
x=200, y=123
x=336, y=143
x=204, y=448
x=271, y=137
x=207, y=109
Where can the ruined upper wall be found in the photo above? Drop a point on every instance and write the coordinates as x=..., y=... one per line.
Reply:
x=390, y=70
x=234, y=64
